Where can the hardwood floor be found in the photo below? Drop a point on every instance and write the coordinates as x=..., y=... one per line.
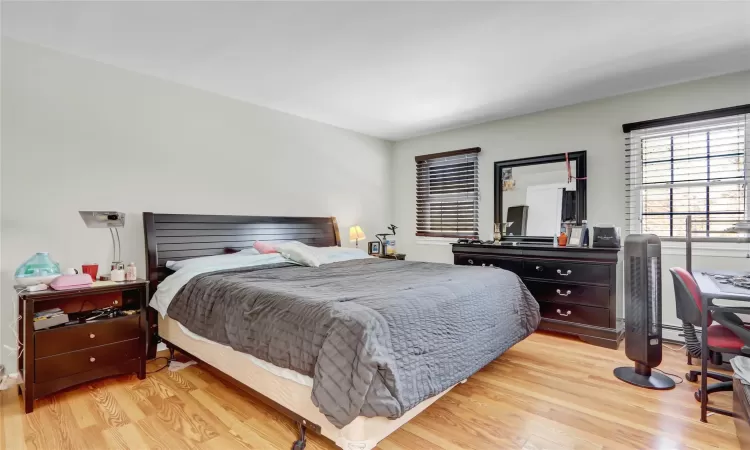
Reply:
x=548, y=392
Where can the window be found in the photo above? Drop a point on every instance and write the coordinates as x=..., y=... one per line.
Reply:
x=448, y=194
x=695, y=167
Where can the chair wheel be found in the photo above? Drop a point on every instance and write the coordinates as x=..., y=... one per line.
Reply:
x=691, y=377
x=697, y=395
x=299, y=445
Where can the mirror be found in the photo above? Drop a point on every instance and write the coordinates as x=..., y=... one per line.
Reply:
x=535, y=197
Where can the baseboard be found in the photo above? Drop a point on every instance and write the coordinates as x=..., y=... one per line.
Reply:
x=672, y=333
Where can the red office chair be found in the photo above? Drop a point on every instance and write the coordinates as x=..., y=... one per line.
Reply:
x=728, y=336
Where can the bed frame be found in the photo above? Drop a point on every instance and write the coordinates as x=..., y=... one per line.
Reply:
x=171, y=237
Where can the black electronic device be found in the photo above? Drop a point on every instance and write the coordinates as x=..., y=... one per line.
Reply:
x=643, y=313
x=606, y=236
x=517, y=218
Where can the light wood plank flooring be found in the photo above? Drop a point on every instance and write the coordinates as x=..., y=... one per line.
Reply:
x=548, y=392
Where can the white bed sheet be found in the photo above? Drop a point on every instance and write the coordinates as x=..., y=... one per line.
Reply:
x=168, y=288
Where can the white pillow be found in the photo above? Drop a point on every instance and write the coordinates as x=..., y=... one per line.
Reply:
x=315, y=256
x=299, y=253
x=209, y=260
x=327, y=255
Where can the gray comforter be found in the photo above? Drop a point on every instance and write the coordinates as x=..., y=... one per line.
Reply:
x=377, y=336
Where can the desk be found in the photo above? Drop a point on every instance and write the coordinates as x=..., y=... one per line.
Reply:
x=709, y=292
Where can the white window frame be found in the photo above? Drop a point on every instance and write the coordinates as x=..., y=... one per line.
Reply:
x=635, y=187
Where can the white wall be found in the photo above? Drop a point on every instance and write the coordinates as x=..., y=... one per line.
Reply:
x=593, y=126
x=80, y=135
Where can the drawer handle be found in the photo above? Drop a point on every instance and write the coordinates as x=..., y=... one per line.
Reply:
x=539, y=268
x=565, y=294
x=568, y=272
x=482, y=264
x=92, y=359
x=92, y=336
x=566, y=314
x=471, y=261
x=116, y=302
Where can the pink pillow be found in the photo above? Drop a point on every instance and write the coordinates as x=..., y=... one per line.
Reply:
x=265, y=247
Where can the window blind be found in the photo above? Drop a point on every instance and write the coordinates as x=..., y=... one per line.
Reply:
x=697, y=168
x=448, y=194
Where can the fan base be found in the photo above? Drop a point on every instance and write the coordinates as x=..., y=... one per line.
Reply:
x=654, y=381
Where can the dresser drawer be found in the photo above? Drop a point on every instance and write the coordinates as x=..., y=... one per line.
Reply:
x=512, y=265
x=579, y=294
x=79, y=337
x=567, y=271
x=60, y=366
x=586, y=315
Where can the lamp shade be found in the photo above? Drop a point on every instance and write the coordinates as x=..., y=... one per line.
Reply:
x=103, y=219
x=356, y=233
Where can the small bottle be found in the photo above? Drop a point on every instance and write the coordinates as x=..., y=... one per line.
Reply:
x=130, y=274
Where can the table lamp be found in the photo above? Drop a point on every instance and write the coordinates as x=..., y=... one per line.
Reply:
x=107, y=219
x=355, y=234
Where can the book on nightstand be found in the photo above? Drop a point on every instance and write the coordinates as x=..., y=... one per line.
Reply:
x=49, y=318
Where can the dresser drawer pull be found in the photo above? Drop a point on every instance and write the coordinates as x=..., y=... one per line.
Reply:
x=566, y=314
x=539, y=268
x=471, y=261
x=482, y=264
x=92, y=359
x=116, y=302
x=565, y=294
x=92, y=336
x=568, y=272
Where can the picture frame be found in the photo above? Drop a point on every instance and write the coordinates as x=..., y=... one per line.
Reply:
x=373, y=248
x=576, y=236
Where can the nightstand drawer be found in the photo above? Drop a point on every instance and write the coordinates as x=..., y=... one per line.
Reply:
x=578, y=294
x=587, y=315
x=68, y=364
x=79, y=337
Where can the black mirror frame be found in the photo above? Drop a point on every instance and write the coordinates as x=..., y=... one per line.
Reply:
x=580, y=159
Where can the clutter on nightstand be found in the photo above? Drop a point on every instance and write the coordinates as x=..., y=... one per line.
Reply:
x=39, y=269
x=49, y=318
x=65, y=282
x=387, y=245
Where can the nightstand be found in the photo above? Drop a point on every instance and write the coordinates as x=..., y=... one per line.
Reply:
x=54, y=359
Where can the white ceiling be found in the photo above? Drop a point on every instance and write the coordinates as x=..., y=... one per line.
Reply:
x=396, y=70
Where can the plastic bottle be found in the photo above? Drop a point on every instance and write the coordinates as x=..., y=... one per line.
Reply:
x=130, y=273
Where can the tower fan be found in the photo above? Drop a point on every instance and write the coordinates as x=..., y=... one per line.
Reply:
x=643, y=312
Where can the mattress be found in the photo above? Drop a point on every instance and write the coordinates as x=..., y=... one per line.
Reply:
x=276, y=370
x=361, y=434
x=378, y=337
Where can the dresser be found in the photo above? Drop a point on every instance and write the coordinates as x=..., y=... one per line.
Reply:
x=577, y=288
x=56, y=358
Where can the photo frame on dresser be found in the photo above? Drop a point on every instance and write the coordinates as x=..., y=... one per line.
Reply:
x=576, y=236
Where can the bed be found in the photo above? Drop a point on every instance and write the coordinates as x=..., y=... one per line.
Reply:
x=395, y=370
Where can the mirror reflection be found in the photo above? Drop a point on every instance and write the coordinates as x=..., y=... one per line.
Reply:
x=537, y=200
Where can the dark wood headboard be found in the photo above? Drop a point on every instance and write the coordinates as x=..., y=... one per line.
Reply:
x=171, y=237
